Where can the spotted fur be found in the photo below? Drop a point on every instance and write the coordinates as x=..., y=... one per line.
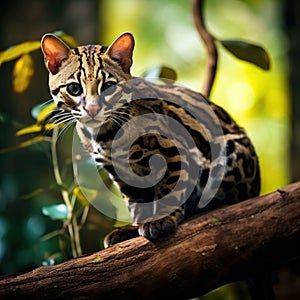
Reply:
x=91, y=83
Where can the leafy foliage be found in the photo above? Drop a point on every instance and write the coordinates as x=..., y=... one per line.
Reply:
x=22, y=73
x=248, y=52
x=165, y=74
x=75, y=206
x=15, y=52
x=56, y=211
x=24, y=69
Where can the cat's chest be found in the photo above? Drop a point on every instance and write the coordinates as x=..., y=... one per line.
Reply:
x=95, y=143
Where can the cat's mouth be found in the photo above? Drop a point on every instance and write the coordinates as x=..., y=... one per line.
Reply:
x=93, y=123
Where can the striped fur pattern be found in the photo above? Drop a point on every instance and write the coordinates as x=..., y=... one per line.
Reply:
x=89, y=84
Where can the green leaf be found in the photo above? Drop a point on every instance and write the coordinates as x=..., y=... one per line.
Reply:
x=56, y=211
x=18, y=50
x=248, y=52
x=163, y=73
x=167, y=73
x=22, y=73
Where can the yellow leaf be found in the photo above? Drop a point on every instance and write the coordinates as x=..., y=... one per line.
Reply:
x=35, y=128
x=45, y=112
x=90, y=193
x=18, y=50
x=29, y=129
x=22, y=73
x=50, y=126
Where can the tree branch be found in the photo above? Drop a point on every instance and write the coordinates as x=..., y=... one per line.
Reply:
x=221, y=246
x=209, y=42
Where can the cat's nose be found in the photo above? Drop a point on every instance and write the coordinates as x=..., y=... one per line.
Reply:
x=92, y=110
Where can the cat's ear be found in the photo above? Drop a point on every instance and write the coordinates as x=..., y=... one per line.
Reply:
x=121, y=50
x=55, y=52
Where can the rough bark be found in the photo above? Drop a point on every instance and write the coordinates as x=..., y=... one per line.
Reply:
x=224, y=245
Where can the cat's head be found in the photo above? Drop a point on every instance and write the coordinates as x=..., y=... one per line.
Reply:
x=82, y=79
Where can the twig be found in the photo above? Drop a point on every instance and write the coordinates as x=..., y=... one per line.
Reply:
x=70, y=222
x=209, y=42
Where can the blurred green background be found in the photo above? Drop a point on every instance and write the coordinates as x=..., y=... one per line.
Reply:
x=260, y=101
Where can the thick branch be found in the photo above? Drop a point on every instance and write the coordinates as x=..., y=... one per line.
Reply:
x=218, y=247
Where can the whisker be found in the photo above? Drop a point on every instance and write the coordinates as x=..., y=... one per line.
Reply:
x=116, y=122
x=119, y=117
x=62, y=112
x=48, y=101
x=122, y=118
x=51, y=114
x=121, y=112
x=59, y=116
x=64, y=130
x=65, y=120
x=59, y=119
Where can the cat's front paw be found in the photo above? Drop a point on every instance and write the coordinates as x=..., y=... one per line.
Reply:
x=158, y=228
x=151, y=230
x=121, y=234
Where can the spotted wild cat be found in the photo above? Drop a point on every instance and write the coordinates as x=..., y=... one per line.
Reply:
x=194, y=141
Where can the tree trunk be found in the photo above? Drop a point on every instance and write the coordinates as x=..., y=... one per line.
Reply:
x=224, y=245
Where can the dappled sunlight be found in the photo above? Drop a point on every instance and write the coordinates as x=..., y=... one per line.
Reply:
x=257, y=99
x=165, y=41
x=240, y=97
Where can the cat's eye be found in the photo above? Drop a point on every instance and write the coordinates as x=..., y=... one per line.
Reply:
x=108, y=84
x=74, y=89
